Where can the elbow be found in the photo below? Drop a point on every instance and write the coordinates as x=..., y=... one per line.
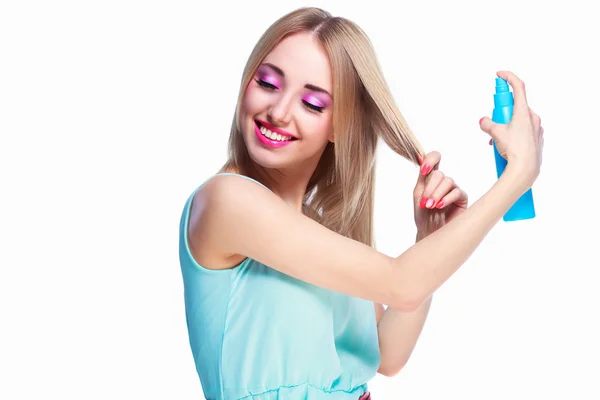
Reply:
x=403, y=294
x=407, y=305
x=390, y=370
x=406, y=300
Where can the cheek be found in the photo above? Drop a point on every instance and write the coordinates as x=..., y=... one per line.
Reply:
x=250, y=100
x=318, y=126
x=256, y=99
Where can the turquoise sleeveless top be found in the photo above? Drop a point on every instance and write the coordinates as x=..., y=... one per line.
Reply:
x=256, y=333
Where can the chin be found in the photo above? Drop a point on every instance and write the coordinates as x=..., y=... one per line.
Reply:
x=267, y=158
x=292, y=155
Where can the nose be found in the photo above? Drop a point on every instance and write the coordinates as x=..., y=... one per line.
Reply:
x=279, y=113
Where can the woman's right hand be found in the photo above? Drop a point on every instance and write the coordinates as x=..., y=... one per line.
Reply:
x=521, y=141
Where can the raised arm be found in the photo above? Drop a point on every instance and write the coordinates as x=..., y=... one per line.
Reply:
x=234, y=216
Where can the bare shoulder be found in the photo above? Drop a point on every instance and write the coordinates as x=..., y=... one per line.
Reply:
x=207, y=229
x=233, y=218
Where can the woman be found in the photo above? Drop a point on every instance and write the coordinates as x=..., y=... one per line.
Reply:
x=283, y=288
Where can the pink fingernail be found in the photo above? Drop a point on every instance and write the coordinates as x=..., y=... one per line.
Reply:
x=425, y=170
x=429, y=203
x=440, y=204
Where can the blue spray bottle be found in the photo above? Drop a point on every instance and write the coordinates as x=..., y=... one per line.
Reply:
x=503, y=110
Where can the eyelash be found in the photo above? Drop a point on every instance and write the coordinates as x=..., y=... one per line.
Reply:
x=270, y=86
x=266, y=85
x=313, y=107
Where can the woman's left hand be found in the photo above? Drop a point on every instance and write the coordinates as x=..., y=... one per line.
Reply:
x=437, y=198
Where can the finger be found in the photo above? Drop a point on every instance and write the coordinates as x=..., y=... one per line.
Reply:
x=518, y=86
x=490, y=127
x=428, y=163
x=445, y=187
x=431, y=162
x=435, y=178
x=457, y=197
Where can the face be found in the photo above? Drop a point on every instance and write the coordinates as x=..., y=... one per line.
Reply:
x=286, y=114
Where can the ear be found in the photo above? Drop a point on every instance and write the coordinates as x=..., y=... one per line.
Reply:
x=331, y=138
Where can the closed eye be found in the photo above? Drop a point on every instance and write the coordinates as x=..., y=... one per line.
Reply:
x=312, y=106
x=266, y=85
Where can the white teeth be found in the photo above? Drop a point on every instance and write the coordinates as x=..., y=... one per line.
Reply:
x=273, y=135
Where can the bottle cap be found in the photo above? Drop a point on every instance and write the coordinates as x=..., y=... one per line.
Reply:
x=501, y=86
x=503, y=96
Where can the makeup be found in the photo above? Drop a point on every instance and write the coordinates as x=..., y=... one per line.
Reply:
x=266, y=77
x=314, y=102
x=271, y=136
x=268, y=82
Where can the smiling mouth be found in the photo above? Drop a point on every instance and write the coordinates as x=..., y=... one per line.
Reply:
x=278, y=137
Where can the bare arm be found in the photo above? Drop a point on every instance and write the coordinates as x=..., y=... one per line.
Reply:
x=398, y=333
x=244, y=218
x=425, y=266
x=521, y=142
x=232, y=215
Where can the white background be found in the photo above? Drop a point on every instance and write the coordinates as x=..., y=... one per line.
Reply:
x=112, y=112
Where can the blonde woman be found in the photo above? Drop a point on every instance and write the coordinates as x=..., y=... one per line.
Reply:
x=283, y=288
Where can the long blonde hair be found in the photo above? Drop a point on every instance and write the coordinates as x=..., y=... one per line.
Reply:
x=340, y=193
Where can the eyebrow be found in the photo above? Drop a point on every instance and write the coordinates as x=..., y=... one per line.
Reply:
x=307, y=86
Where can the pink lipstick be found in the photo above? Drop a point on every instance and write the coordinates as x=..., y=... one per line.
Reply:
x=270, y=142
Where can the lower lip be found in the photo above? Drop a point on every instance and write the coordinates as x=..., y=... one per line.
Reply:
x=268, y=142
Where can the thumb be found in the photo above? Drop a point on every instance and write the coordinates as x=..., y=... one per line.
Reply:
x=490, y=127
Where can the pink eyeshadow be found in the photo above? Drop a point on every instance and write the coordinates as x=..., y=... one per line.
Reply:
x=314, y=100
x=270, y=79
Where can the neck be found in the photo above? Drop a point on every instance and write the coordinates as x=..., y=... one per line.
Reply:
x=289, y=184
